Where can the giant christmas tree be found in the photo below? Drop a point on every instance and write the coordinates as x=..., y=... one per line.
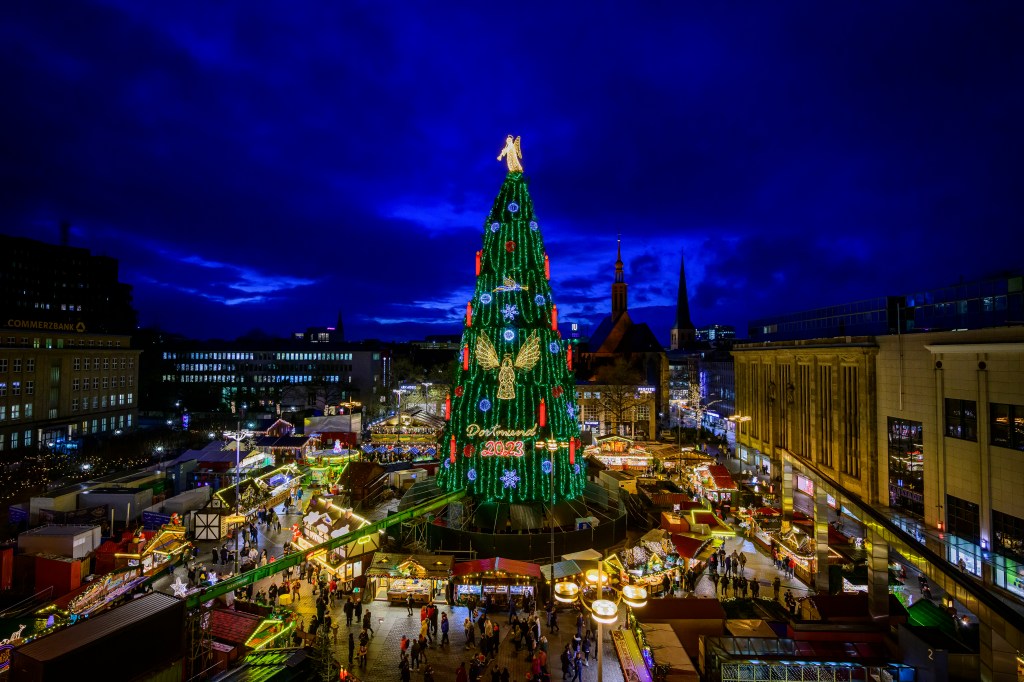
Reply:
x=513, y=393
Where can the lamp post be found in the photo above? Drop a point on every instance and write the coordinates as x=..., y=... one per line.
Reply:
x=427, y=402
x=552, y=446
x=238, y=436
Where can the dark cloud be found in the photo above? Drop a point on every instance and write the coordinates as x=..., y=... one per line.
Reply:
x=270, y=166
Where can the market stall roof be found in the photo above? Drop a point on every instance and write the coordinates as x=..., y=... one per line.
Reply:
x=721, y=477
x=233, y=627
x=433, y=566
x=589, y=554
x=768, y=511
x=686, y=546
x=567, y=568
x=713, y=523
x=754, y=627
x=510, y=566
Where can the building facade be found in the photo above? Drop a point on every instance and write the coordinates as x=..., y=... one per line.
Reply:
x=928, y=425
x=58, y=386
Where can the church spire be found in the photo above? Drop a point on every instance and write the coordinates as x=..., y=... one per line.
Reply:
x=619, y=286
x=683, y=332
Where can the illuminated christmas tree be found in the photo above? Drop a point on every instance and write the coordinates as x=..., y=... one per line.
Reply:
x=514, y=391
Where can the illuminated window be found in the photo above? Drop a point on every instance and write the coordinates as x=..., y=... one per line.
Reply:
x=961, y=419
x=1007, y=425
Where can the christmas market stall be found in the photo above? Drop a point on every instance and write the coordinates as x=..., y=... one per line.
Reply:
x=617, y=453
x=154, y=551
x=396, y=577
x=327, y=466
x=267, y=488
x=651, y=560
x=324, y=520
x=406, y=437
x=714, y=483
x=494, y=581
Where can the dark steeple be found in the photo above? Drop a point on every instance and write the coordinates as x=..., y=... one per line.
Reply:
x=339, y=329
x=619, y=287
x=683, y=331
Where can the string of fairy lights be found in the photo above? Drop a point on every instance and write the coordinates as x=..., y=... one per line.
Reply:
x=513, y=392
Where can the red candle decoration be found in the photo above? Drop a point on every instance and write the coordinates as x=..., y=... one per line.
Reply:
x=554, y=318
x=478, y=261
x=465, y=358
x=572, y=451
x=542, y=417
x=547, y=267
x=451, y=448
x=469, y=314
x=568, y=357
x=448, y=407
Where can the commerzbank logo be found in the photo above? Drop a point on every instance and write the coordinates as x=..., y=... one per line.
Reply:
x=78, y=327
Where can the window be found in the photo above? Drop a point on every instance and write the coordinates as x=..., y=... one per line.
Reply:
x=1008, y=535
x=961, y=419
x=74, y=404
x=95, y=404
x=643, y=412
x=3, y=388
x=28, y=410
x=15, y=411
x=77, y=364
x=3, y=364
x=15, y=443
x=3, y=413
x=30, y=365
x=963, y=519
x=75, y=384
x=30, y=388
x=2, y=439
x=15, y=388
x=16, y=365
x=28, y=438
x=106, y=363
x=906, y=465
x=1007, y=425
x=105, y=383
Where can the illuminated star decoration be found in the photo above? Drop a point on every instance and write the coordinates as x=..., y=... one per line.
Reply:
x=509, y=311
x=510, y=479
x=212, y=577
x=180, y=588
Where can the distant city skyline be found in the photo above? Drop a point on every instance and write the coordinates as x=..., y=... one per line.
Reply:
x=253, y=169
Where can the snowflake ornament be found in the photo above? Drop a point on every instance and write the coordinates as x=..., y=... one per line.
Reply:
x=539, y=299
x=571, y=411
x=485, y=298
x=510, y=479
x=447, y=463
x=485, y=405
x=576, y=468
x=545, y=466
x=533, y=225
x=471, y=474
x=509, y=312
x=513, y=207
x=509, y=335
x=553, y=347
x=495, y=227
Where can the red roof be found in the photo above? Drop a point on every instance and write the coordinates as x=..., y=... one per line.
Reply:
x=767, y=511
x=686, y=546
x=497, y=564
x=721, y=477
x=233, y=627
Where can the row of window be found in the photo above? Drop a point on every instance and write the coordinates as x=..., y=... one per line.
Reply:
x=100, y=402
x=87, y=364
x=15, y=365
x=16, y=412
x=964, y=521
x=36, y=342
x=1006, y=422
x=251, y=356
x=16, y=440
x=259, y=379
x=98, y=383
x=30, y=388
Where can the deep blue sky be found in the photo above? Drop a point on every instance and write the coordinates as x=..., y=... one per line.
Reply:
x=267, y=164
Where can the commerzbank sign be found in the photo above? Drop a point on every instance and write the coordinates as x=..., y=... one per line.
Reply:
x=47, y=326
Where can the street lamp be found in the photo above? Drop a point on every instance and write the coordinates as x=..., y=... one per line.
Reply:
x=603, y=611
x=552, y=446
x=238, y=436
x=426, y=396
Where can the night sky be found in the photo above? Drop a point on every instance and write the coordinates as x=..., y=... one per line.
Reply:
x=265, y=165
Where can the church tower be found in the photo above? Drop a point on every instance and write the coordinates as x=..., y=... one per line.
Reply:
x=683, y=332
x=618, y=288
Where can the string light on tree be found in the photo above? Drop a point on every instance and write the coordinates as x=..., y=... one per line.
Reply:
x=514, y=385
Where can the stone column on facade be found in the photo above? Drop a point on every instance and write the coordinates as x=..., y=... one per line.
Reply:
x=821, y=538
x=985, y=507
x=878, y=574
x=938, y=466
x=786, y=495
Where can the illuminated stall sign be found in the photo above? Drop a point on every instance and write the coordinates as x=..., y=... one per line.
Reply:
x=805, y=485
x=502, y=448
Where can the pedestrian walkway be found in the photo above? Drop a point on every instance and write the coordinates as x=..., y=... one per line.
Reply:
x=758, y=567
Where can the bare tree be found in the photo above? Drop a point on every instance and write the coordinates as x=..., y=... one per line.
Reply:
x=619, y=383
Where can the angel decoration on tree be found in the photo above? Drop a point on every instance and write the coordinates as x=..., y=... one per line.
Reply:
x=512, y=155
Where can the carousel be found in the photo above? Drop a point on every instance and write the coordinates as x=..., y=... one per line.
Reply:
x=406, y=437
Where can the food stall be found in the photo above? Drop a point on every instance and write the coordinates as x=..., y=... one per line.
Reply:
x=617, y=453
x=497, y=579
x=324, y=520
x=714, y=483
x=651, y=559
x=396, y=577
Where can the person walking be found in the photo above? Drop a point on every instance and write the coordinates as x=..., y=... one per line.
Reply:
x=367, y=624
x=359, y=611
x=349, y=608
x=444, y=630
x=777, y=586
x=470, y=632
x=408, y=605
x=460, y=673
x=755, y=588
x=351, y=647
